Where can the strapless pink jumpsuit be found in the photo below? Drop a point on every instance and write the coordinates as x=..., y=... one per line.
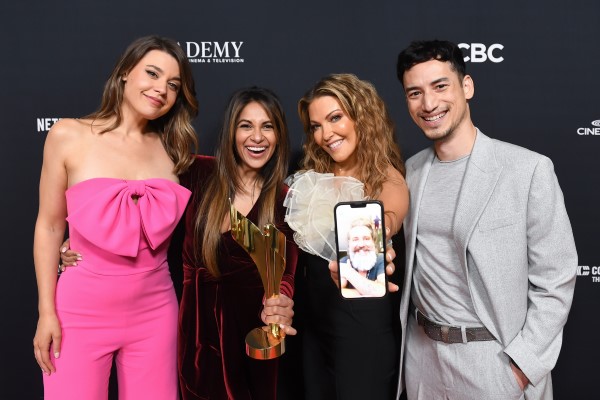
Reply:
x=119, y=301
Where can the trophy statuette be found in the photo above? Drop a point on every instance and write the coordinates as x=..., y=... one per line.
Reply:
x=267, y=249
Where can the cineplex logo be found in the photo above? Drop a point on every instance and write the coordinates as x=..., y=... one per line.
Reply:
x=595, y=131
x=213, y=52
x=586, y=270
x=479, y=52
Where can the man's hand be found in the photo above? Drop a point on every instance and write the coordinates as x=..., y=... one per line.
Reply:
x=522, y=380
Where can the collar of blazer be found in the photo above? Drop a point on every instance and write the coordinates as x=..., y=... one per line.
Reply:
x=481, y=176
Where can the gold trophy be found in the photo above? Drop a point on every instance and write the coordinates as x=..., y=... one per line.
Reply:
x=267, y=250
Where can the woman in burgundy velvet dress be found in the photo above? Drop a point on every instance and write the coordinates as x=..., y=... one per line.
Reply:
x=222, y=291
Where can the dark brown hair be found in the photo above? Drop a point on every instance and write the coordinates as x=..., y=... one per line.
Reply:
x=175, y=127
x=226, y=182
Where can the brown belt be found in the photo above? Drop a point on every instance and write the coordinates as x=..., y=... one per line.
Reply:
x=452, y=334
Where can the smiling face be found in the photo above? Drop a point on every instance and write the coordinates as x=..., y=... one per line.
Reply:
x=255, y=137
x=437, y=99
x=152, y=85
x=333, y=131
x=361, y=248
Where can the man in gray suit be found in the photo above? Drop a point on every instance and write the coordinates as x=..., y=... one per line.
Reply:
x=490, y=256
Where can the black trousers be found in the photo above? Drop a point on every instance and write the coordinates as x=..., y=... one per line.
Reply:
x=346, y=349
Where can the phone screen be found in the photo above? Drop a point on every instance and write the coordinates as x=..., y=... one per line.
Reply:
x=360, y=240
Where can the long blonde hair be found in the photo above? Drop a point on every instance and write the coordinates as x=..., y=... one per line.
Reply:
x=175, y=127
x=225, y=181
x=376, y=149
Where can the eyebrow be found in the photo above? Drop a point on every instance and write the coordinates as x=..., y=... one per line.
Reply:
x=440, y=80
x=336, y=110
x=268, y=121
x=159, y=69
x=328, y=115
x=444, y=79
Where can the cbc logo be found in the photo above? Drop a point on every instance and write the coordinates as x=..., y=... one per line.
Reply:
x=479, y=52
x=583, y=270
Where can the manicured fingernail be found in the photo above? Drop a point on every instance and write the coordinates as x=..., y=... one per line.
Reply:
x=79, y=258
x=56, y=354
x=63, y=249
x=74, y=264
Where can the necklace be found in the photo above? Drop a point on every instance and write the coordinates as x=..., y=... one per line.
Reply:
x=341, y=171
x=253, y=188
x=251, y=192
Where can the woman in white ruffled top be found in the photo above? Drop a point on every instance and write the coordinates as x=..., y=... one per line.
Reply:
x=349, y=348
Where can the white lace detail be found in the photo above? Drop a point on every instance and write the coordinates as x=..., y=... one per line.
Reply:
x=310, y=202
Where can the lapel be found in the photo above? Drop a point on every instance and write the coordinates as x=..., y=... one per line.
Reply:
x=481, y=176
x=416, y=178
x=416, y=185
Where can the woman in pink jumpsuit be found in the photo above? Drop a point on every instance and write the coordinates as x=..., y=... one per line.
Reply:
x=113, y=177
x=222, y=290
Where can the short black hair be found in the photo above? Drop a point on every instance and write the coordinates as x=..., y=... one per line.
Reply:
x=421, y=51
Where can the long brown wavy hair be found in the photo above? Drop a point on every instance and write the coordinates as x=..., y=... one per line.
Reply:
x=175, y=127
x=226, y=182
x=376, y=149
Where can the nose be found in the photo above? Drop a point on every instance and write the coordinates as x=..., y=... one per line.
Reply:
x=429, y=102
x=161, y=86
x=257, y=135
x=358, y=243
x=327, y=132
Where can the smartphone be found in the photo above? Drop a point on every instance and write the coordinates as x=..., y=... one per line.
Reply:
x=360, y=241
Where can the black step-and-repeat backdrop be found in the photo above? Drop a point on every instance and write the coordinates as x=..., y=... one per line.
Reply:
x=536, y=68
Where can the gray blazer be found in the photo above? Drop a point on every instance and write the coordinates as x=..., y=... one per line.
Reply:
x=516, y=246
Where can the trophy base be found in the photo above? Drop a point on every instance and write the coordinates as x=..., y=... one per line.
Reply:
x=261, y=344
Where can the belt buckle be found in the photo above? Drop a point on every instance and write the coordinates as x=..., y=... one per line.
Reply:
x=445, y=331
